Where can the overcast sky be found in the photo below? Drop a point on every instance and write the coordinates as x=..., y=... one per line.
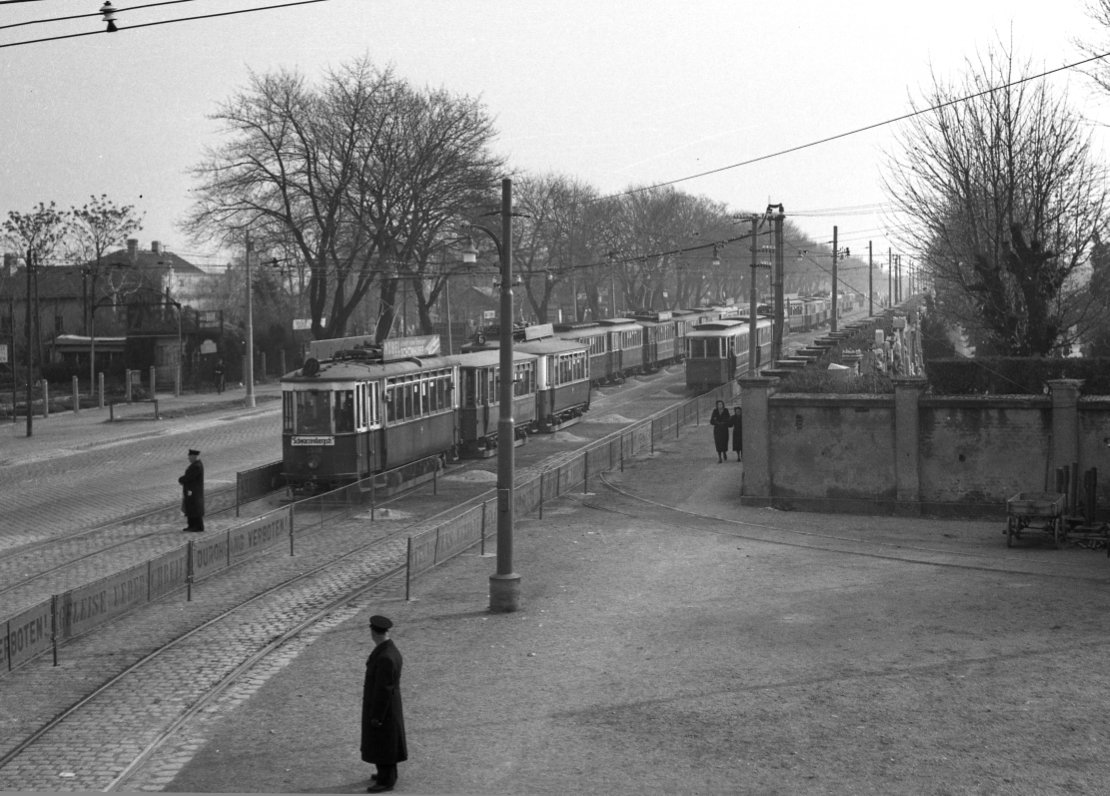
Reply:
x=614, y=92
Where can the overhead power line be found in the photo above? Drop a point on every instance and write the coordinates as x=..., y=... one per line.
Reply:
x=159, y=22
x=858, y=130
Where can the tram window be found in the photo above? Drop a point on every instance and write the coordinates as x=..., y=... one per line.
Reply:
x=712, y=347
x=287, y=415
x=344, y=411
x=391, y=403
x=470, y=389
x=407, y=411
x=313, y=412
x=425, y=399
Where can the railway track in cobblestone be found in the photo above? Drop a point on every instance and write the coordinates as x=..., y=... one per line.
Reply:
x=144, y=675
x=33, y=572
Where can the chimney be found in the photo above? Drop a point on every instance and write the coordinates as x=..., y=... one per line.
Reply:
x=132, y=249
x=156, y=246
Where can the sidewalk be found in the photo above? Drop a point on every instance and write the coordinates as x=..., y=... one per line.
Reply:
x=765, y=653
x=67, y=432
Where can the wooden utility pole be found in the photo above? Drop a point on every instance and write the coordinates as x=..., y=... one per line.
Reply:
x=836, y=253
x=250, y=329
x=870, y=282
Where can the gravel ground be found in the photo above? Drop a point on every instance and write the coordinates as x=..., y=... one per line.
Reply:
x=662, y=658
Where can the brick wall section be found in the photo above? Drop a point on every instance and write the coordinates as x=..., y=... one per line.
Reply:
x=983, y=449
x=1094, y=442
x=972, y=453
x=834, y=447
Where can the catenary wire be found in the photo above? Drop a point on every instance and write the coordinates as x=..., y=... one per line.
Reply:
x=164, y=22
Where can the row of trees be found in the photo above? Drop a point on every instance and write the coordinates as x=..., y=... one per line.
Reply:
x=362, y=184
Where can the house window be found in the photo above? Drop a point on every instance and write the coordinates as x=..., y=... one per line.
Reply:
x=59, y=324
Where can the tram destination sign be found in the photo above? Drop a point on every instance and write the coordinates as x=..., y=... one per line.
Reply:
x=396, y=348
x=538, y=331
x=322, y=440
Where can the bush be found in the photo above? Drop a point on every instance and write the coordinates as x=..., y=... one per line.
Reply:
x=1015, y=375
x=816, y=380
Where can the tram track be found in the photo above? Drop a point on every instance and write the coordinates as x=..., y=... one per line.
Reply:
x=197, y=661
x=231, y=627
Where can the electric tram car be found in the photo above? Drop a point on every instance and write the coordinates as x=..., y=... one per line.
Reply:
x=805, y=313
x=562, y=372
x=717, y=352
x=354, y=414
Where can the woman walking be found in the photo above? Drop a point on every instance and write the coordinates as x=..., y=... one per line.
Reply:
x=720, y=420
x=738, y=433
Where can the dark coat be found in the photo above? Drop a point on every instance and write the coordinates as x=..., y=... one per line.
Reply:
x=192, y=489
x=381, y=701
x=720, y=420
x=737, y=431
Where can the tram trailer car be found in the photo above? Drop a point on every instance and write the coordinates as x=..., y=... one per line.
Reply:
x=479, y=410
x=717, y=352
x=562, y=374
x=626, y=346
x=346, y=418
x=593, y=337
x=660, y=339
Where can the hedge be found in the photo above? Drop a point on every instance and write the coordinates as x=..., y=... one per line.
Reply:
x=1015, y=375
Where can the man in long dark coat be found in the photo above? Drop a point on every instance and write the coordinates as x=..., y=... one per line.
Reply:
x=383, y=722
x=192, y=492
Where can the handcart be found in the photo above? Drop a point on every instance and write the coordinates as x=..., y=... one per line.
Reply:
x=1038, y=512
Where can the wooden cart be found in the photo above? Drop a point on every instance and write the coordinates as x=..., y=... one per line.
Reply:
x=1038, y=512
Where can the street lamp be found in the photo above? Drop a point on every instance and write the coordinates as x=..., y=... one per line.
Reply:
x=504, y=585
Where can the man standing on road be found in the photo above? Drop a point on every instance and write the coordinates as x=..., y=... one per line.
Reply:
x=192, y=492
x=383, y=723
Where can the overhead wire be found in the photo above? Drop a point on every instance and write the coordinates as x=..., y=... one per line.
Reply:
x=158, y=22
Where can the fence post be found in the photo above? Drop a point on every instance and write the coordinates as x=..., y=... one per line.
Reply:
x=76, y=397
x=652, y=436
x=53, y=627
x=45, y=399
x=586, y=472
x=291, y=525
x=238, y=492
x=153, y=381
x=373, y=495
x=408, y=571
x=483, y=547
x=541, y=494
x=622, y=451
x=189, y=574
x=435, y=479
x=100, y=385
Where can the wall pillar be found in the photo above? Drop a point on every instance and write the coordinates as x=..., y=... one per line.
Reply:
x=907, y=476
x=755, y=394
x=1065, y=422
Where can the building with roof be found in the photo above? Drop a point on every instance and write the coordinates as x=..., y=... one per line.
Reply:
x=153, y=298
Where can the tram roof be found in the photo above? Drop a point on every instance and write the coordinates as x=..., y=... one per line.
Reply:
x=361, y=370
x=490, y=357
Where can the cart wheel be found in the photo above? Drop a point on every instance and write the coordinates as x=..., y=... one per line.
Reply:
x=1009, y=531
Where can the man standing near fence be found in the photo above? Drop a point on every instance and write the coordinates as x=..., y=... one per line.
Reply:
x=192, y=492
x=383, y=723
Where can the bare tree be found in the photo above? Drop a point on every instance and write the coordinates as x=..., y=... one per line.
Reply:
x=1003, y=200
x=357, y=175
x=97, y=226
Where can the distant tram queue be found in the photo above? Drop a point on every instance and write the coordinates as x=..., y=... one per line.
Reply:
x=356, y=408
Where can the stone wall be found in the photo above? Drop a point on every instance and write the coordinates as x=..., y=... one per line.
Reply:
x=910, y=453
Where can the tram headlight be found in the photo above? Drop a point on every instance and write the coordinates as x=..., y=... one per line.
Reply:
x=313, y=462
